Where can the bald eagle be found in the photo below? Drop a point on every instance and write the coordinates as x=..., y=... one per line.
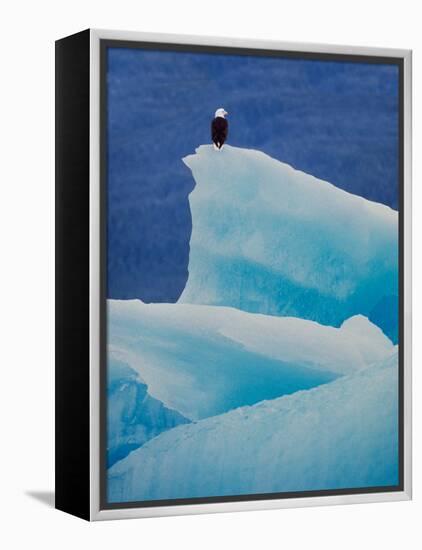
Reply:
x=219, y=128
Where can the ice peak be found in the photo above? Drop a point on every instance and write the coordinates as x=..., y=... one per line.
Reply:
x=271, y=239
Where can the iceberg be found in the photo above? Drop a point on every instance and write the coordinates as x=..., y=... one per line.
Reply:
x=267, y=238
x=276, y=370
x=339, y=435
x=133, y=416
x=202, y=361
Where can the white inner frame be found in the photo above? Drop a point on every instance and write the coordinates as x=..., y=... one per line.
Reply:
x=120, y=513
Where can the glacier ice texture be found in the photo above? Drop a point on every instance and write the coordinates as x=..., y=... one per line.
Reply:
x=339, y=435
x=133, y=416
x=267, y=238
x=205, y=360
x=276, y=371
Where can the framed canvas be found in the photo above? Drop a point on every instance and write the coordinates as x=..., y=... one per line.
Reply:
x=233, y=274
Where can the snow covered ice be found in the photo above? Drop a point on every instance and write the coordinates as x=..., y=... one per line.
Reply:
x=270, y=239
x=205, y=360
x=276, y=370
x=339, y=435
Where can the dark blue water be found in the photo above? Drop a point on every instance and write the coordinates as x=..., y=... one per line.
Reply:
x=335, y=120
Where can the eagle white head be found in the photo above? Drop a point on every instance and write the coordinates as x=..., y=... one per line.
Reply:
x=221, y=112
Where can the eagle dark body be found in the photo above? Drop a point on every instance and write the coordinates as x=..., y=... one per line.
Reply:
x=219, y=130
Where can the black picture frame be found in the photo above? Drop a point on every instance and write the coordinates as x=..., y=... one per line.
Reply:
x=80, y=489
